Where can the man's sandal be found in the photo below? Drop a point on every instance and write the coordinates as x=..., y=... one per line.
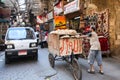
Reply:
x=101, y=72
x=90, y=71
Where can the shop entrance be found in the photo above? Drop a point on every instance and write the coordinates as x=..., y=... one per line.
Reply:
x=74, y=23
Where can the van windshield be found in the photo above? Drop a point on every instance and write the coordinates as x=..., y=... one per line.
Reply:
x=19, y=34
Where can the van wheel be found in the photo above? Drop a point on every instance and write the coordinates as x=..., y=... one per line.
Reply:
x=7, y=61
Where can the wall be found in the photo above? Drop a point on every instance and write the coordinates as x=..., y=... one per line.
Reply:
x=114, y=22
x=50, y=5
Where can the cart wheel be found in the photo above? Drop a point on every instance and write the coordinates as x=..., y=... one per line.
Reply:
x=76, y=69
x=51, y=60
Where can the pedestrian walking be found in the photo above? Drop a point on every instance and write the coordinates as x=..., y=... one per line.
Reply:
x=44, y=41
x=95, y=52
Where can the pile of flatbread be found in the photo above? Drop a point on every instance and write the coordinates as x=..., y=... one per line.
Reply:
x=65, y=31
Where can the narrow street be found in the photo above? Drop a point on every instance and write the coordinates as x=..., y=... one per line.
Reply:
x=66, y=27
x=28, y=69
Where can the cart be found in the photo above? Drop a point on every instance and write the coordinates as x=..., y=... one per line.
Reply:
x=66, y=47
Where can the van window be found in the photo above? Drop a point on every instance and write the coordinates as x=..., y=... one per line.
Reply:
x=19, y=34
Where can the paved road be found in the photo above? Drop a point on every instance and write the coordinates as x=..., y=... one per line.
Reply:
x=111, y=70
x=22, y=69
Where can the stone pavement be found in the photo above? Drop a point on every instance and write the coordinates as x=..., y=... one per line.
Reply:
x=111, y=70
x=41, y=70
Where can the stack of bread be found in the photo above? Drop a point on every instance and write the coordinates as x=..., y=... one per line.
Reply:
x=62, y=32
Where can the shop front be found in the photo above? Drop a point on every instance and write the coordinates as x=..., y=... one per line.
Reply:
x=42, y=26
x=4, y=24
x=59, y=18
x=99, y=20
x=42, y=21
x=73, y=12
x=50, y=21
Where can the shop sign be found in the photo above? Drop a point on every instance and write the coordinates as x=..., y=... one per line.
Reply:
x=42, y=19
x=60, y=22
x=39, y=19
x=72, y=7
x=45, y=18
x=58, y=8
x=50, y=15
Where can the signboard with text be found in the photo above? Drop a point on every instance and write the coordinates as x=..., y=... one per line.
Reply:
x=42, y=19
x=60, y=22
x=58, y=8
x=50, y=15
x=72, y=7
x=64, y=46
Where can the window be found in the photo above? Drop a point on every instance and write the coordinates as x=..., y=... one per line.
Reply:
x=19, y=34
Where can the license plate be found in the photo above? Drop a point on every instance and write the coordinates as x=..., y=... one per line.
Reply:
x=22, y=53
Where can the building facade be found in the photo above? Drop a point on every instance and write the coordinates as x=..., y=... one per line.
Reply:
x=113, y=21
x=108, y=18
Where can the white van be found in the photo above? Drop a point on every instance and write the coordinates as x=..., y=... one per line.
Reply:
x=20, y=41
